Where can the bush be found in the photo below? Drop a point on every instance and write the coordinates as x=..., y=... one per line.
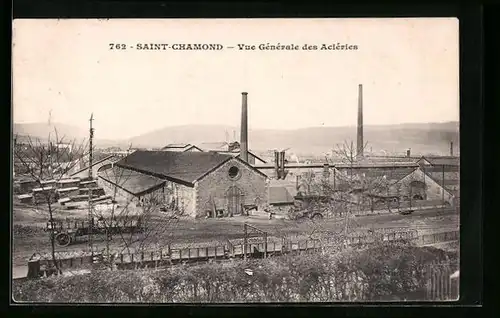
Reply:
x=386, y=270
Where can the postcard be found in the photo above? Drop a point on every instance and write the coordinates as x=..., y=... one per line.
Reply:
x=235, y=160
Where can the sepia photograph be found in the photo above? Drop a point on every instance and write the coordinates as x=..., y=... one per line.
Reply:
x=235, y=160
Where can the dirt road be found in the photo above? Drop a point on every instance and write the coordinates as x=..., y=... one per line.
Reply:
x=29, y=239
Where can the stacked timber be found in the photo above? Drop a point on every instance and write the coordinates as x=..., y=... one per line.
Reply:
x=93, y=192
x=68, y=183
x=41, y=195
x=26, y=186
x=25, y=198
x=88, y=184
x=48, y=183
x=68, y=192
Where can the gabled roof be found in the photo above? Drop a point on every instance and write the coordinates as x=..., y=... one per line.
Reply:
x=179, y=167
x=217, y=146
x=177, y=145
x=396, y=173
x=133, y=182
x=236, y=153
x=389, y=159
x=451, y=179
x=443, y=160
x=180, y=147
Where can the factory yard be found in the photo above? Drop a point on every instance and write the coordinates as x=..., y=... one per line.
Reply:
x=29, y=237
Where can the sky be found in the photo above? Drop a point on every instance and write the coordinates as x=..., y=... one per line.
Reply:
x=409, y=70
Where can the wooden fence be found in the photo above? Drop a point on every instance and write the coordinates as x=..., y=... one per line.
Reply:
x=441, y=285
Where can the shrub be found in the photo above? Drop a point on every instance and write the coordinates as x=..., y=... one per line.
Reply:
x=380, y=272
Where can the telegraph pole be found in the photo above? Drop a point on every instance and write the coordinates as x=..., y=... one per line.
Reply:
x=91, y=223
x=90, y=145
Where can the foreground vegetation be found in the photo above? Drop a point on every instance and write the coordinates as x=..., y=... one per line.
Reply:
x=388, y=272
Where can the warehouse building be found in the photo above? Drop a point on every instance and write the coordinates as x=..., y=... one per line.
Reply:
x=231, y=149
x=84, y=171
x=197, y=184
x=181, y=147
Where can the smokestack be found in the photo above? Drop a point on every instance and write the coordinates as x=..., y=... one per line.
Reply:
x=408, y=152
x=244, y=128
x=360, y=144
x=277, y=164
x=282, y=164
x=451, y=148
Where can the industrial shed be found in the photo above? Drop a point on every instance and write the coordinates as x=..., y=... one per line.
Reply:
x=195, y=183
x=180, y=147
x=84, y=172
x=131, y=186
x=421, y=186
x=252, y=158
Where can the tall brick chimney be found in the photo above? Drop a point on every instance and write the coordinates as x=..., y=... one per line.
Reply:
x=244, y=128
x=451, y=148
x=277, y=164
x=360, y=145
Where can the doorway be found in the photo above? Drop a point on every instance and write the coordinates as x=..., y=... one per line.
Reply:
x=235, y=199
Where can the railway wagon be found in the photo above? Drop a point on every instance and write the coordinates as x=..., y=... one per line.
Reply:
x=66, y=232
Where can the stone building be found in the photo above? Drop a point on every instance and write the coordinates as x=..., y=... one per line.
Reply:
x=195, y=183
x=422, y=186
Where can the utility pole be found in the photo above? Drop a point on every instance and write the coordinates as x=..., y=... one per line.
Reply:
x=245, y=242
x=91, y=221
x=90, y=145
x=443, y=188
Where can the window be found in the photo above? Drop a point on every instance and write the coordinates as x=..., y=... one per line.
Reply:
x=234, y=172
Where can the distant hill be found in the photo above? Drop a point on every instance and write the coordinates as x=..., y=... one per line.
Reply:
x=421, y=138
x=66, y=132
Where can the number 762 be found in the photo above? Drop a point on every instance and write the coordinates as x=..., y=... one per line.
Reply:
x=115, y=46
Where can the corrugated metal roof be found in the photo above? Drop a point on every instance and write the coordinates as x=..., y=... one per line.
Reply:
x=186, y=167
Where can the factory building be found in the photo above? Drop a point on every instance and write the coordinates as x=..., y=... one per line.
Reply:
x=195, y=183
x=419, y=185
x=231, y=149
x=84, y=171
x=181, y=147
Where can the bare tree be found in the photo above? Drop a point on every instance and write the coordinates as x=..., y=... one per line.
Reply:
x=41, y=161
x=345, y=191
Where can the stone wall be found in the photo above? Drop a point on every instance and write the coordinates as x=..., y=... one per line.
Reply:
x=214, y=187
x=433, y=191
